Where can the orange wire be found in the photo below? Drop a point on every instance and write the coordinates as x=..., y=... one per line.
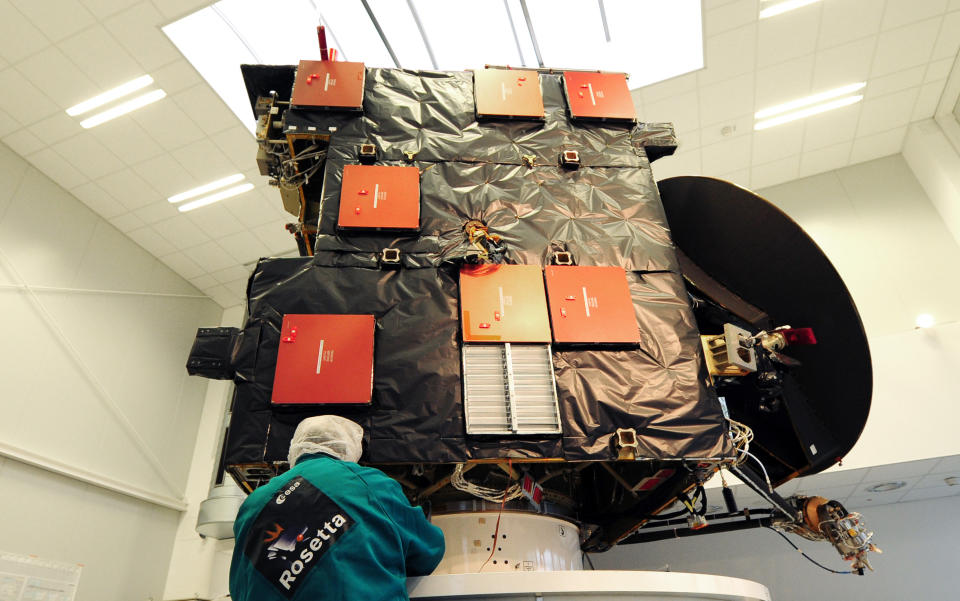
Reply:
x=496, y=531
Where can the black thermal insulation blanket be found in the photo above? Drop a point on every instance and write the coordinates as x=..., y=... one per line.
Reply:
x=607, y=212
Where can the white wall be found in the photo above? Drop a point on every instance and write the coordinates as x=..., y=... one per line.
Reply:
x=920, y=560
x=95, y=335
x=888, y=241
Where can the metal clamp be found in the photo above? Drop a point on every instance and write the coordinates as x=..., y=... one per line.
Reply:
x=570, y=159
x=627, y=444
x=367, y=154
x=562, y=257
x=390, y=257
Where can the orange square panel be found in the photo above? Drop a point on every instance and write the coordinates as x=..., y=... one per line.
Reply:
x=591, y=305
x=329, y=84
x=380, y=197
x=508, y=93
x=599, y=96
x=324, y=360
x=503, y=303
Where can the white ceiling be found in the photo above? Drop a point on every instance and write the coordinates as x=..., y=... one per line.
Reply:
x=52, y=58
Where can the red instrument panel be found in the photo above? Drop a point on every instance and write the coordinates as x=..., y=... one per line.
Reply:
x=508, y=93
x=591, y=305
x=324, y=360
x=380, y=197
x=503, y=303
x=329, y=84
x=599, y=96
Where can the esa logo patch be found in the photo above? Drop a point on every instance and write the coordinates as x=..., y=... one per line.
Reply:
x=292, y=532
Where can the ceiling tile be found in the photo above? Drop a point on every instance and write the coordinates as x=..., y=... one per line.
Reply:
x=58, y=126
x=954, y=5
x=878, y=145
x=927, y=101
x=230, y=274
x=166, y=175
x=903, y=12
x=177, y=76
x=777, y=142
x=668, y=88
x=775, y=172
x=104, y=8
x=215, y=218
x=260, y=206
x=848, y=20
x=237, y=287
x=97, y=199
x=7, y=124
x=222, y=296
x=183, y=265
x=206, y=109
x=784, y=82
x=948, y=42
x=895, y=82
x=683, y=111
x=900, y=471
x=279, y=241
x=682, y=163
x=210, y=256
x=832, y=479
x=887, y=112
x=23, y=141
x=151, y=241
x=138, y=30
x=689, y=140
x=824, y=159
x=844, y=64
x=724, y=157
x=127, y=140
x=740, y=177
x=168, y=124
x=830, y=128
x=237, y=144
x=938, y=70
x=730, y=16
x=128, y=222
x=29, y=104
x=181, y=232
x=204, y=161
x=57, y=77
x=934, y=481
x=68, y=17
x=88, y=155
x=157, y=211
x=129, y=188
x=867, y=482
x=54, y=167
x=731, y=128
x=727, y=100
x=727, y=55
x=18, y=37
x=788, y=36
x=922, y=494
x=176, y=9
x=101, y=58
x=244, y=246
x=947, y=465
x=905, y=47
x=835, y=493
x=203, y=281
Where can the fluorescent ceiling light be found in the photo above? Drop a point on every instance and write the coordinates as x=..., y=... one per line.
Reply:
x=110, y=95
x=225, y=181
x=813, y=110
x=808, y=100
x=925, y=320
x=207, y=200
x=782, y=7
x=123, y=109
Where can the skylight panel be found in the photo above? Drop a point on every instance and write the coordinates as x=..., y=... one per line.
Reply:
x=469, y=35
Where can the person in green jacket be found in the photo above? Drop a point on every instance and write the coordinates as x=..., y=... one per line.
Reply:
x=329, y=528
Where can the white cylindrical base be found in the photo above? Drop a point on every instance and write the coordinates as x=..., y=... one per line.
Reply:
x=603, y=585
x=525, y=542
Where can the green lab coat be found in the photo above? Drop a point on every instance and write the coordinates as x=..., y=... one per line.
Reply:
x=330, y=529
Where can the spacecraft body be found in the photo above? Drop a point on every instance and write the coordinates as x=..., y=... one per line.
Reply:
x=494, y=287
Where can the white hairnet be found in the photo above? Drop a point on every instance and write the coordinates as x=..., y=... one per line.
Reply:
x=330, y=434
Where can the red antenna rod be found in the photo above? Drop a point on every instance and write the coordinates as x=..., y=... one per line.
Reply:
x=322, y=38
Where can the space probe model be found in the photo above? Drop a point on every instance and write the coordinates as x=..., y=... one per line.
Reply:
x=525, y=324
